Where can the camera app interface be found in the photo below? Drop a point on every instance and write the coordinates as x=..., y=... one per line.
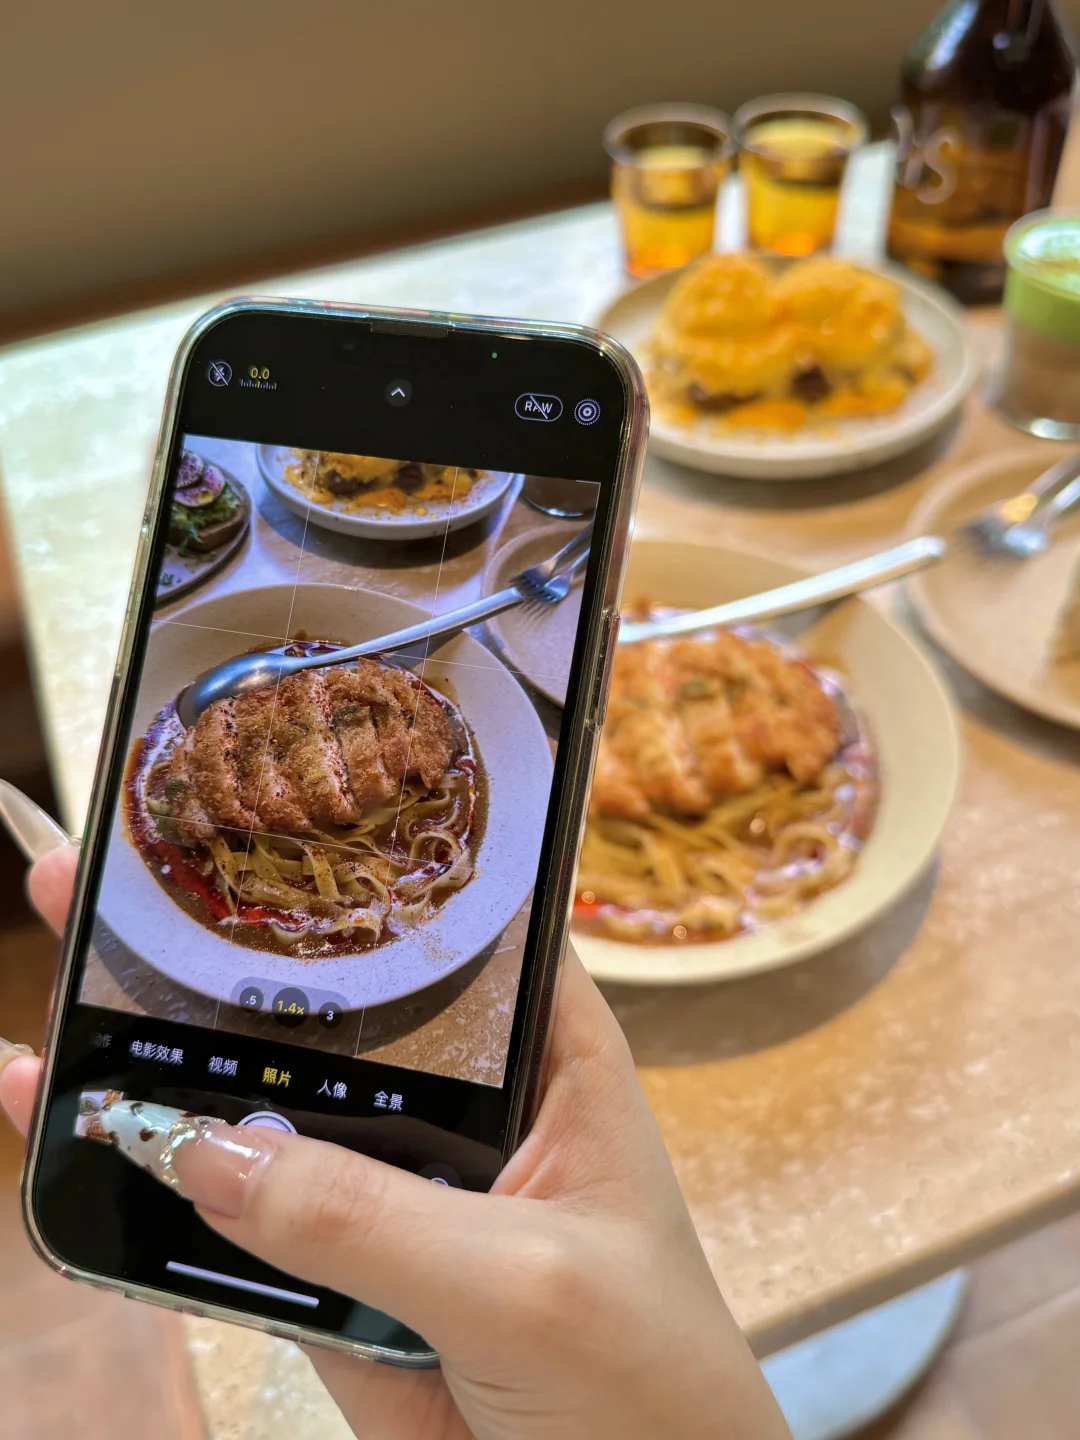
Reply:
x=331, y=821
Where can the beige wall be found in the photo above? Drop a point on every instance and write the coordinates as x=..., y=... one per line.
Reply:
x=144, y=141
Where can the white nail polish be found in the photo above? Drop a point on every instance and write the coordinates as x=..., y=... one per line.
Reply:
x=148, y=1134
x=35, y=832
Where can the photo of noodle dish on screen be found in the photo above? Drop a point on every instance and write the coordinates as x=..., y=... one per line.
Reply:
x=734, y=784
x=343, y=822
x=326, y=812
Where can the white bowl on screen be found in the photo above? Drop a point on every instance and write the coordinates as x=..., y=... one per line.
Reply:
x=899, y=692
x=516, y=760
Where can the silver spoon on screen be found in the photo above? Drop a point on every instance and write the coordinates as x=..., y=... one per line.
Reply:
x=543, y=584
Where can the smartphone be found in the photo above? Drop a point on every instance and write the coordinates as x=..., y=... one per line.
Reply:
x=332, y=895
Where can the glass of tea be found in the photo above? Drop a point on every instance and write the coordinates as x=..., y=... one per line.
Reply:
x=793, y=151
x=667, y=165
x=1037, y=385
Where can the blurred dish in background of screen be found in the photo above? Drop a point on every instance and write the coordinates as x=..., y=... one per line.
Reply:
x=899, y=701
x=376, y=498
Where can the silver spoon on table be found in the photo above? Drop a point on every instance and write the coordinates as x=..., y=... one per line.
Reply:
x=806, y=594
x=544, y=584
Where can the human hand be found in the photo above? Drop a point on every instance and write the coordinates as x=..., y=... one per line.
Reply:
x=574, y=1300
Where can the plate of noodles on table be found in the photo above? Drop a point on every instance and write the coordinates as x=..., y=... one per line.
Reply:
x=377, y=498
x=755, y=800
x=776, y=369
x=365, y=828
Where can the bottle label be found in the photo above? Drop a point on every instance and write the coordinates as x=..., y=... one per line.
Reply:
x=927, y=162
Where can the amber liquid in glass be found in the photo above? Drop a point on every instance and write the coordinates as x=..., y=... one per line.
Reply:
x=793, y=169
x=667, y=204
x=985, y=98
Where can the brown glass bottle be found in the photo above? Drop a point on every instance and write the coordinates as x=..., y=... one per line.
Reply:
x=986, y=93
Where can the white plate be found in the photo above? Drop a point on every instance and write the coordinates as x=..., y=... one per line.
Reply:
x=822, y=450
x=538, y=641
x=996, y=617
x=514, y=752
x=911, y=717
x=372, y=524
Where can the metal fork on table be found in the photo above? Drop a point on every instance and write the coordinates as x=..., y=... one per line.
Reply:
x=1020, y=525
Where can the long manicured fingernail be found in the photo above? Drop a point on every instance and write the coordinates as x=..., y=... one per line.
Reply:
x=10, y=1051
x=35, y=832
x=207, y=1161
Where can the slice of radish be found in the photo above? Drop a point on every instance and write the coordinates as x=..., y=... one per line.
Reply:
x=190, y=472
x=204, y=491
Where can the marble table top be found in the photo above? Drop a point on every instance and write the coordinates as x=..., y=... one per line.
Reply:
x=843, y=1129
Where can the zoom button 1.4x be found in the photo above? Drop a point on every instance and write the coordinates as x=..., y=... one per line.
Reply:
x=533, y=406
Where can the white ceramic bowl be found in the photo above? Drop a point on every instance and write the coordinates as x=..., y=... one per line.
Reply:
x=816, y=450
x=374, y=524
x=898, y=691
x=516, y=759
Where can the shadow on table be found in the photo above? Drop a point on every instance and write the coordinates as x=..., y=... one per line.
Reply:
x=708, y=488
x=685, y=1025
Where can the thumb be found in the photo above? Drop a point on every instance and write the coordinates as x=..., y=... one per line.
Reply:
x=51, y=882
x=388, y=1238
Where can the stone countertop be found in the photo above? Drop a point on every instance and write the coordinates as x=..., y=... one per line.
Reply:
x=842, y=1129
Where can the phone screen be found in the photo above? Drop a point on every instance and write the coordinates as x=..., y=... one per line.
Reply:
x=316, y=896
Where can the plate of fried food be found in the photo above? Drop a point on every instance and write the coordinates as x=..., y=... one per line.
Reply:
x=378, y=498
x=755, y=801
x=776, y=369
